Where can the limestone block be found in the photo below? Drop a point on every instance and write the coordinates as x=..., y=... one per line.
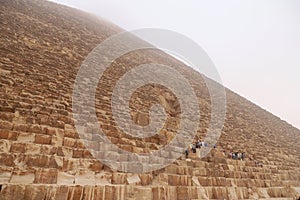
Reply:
x=200, y=172
x=263, y=193
x=48, y=150
x=12, y=192
x=103, y=178
x=146, y=179
x=275, y=192
x=35, y=192
x=88, y=192
x=51, y=131
x=6, y=116
x=5, y=145
x=7, y=159
x=175, y=180
x=118, y=178
x=79, y=144
x=219, y=192
x=64, y=178
x=99, y=192
x=142, y=193
x=172, y=169
x=183, y=193
x=162, y=179
x=42, y=139
x=231, y=167
x=36, y=129
x=26, y=137
x=96, y=166
x=22, y=177
x=33, y=148
x=57, y=140
x=70, y=164
x=67, y=152
x=9, y=135
x=114, y=192
x=61, y=193
x=231, y=193
x=42, y=161
x=43, y=119
x=46, y=176
x=181, y=170
x=20, y=127
x=75, y=192
x=5, y=176
x=71, y=134
x=78, y=153
x=85, y=178
x=58, y=124
x=133, y=179
x=6, y=125
x=69, y=142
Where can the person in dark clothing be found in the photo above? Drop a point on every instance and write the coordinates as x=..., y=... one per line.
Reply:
x=243, y=156
x=235, y=155
x=186, y=153
x=194, y=148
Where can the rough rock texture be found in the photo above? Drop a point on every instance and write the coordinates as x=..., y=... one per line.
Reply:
x=42, y=157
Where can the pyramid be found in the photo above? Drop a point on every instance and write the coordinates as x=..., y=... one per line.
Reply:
x=43, y=156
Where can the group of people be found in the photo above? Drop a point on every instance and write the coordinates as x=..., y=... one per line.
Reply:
x=237, y=155
x=194, y=146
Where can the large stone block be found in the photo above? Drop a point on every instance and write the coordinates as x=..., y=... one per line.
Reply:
x=12, y=192
x=5, y=146
x=83, y=177
x=22, y=177
x=46, y=176
x=42, y=139
x=18, y=147
x=35, y=192
x=65, y=178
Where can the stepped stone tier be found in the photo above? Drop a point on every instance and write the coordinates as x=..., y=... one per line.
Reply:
x=42, y=156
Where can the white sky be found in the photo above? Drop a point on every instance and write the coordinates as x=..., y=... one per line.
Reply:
x=255, y=44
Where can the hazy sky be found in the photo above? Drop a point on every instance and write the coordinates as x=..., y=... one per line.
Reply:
x=255, y=44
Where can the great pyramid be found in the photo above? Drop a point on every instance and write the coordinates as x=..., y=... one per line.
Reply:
x=43, y=45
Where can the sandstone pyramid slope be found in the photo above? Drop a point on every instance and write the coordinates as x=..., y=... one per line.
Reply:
x=42, y=46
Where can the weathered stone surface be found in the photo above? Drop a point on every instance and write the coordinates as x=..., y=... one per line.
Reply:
x=42, y=156
x=46, y=176
x=15, y=192
x=5, y=176
x=64, y=178
x=25, y=177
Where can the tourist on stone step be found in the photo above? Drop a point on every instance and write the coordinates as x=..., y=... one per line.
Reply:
x=191, y=146
x=198, y=144
x=239, y=156
x=236, y=155
x=186, y=153
x=243, y=156
x=194, y=148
